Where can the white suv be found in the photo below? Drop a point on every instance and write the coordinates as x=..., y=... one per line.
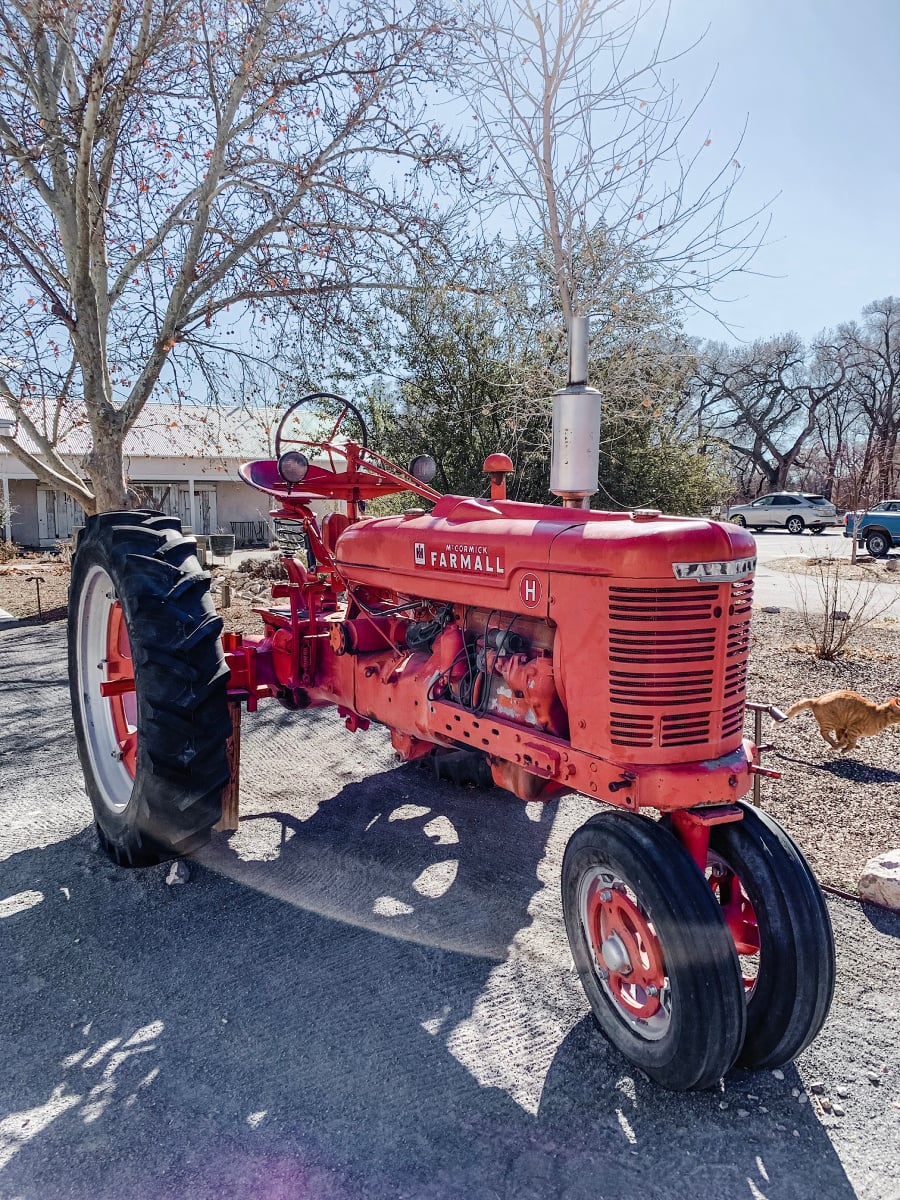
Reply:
x=792, y=511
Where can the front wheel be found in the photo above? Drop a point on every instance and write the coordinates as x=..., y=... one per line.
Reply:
x=795, y=525
x=739, y=520
x=780, y=924
x=148, y=683
x=877, y=544
x=652, y=949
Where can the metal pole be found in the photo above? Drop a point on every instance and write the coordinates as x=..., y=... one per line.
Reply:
x=757, y=738
x=578, y=350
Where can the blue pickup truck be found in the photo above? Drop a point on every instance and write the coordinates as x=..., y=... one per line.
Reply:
x=878, y=529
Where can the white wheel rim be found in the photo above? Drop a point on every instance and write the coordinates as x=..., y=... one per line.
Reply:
x=113, y=781
x=653, y=1028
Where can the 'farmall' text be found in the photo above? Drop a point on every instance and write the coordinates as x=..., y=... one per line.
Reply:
x=464, y=559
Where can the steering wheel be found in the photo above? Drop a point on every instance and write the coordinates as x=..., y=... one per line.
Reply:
x=342, y=406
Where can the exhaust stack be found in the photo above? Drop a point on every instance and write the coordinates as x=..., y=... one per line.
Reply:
x=575, y=450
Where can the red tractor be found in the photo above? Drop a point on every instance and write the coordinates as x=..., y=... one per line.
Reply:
x=572, y=650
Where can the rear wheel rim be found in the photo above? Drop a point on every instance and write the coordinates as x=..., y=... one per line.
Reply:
x=626, y=954
x=108, y=703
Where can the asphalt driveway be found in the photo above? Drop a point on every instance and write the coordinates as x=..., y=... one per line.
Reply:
x=365, y=992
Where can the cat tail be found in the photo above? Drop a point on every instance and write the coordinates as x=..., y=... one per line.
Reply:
x=798, y=707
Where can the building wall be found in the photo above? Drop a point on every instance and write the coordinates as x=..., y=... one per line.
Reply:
x=240, y=502
x=23, y=496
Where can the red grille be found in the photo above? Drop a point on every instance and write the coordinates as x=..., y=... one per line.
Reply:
x=677, y=664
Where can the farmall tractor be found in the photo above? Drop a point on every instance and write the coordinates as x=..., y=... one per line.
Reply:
x=572, y=650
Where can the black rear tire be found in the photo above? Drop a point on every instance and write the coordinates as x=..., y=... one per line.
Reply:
x=619, y=862
x=795, y=525
x=157, y=791
x=878, y=544
x=794, y=985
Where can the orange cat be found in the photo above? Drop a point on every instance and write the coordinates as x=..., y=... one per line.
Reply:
x=850, y=716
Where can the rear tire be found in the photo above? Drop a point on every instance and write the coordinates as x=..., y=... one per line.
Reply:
x=652, y=949
x=877, y=544
x=795, y=525
x=153, y=752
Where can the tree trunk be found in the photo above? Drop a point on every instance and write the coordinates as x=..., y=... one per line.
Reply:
x=105, y=466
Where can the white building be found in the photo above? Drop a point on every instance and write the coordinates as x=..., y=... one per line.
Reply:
x=182, y=459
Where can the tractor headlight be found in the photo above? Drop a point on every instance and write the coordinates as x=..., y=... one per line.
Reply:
x=292, y=466
x=423, y=468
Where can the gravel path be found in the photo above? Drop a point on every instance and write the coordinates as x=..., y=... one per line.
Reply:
x=366, y=992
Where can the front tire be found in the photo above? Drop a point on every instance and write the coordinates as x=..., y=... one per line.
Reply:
x=795, y=525
x=652, y=949
x=739, y=520
x=773, y=905
x=148, y=683
x=877, y=544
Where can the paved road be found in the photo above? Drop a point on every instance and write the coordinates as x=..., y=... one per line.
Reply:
x=365, y=992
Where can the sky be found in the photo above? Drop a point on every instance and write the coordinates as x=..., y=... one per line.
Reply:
x=818, y=81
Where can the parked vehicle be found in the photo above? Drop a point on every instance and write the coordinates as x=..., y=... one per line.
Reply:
x=878, y=528
x=793, y=511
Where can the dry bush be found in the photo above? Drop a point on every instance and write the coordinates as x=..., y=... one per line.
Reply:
x=847, y=607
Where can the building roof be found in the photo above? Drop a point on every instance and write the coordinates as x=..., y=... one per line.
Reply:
x=181, y=431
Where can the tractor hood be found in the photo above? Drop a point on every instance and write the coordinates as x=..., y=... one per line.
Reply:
x=501, y=553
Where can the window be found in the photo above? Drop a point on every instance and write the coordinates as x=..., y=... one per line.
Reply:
x=784, y=501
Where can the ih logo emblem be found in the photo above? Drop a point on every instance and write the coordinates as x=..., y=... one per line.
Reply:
x=530, y=590
x=420, y=554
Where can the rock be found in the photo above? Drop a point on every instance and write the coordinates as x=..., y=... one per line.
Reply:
x=842, y=1091
x=838, y=1110
x=795, y=1092
x=179, y=872
x=817, y=1088
x=803, y=1098
x=743, y=1112
x=873, y=1077
x=839, y=615
x=778, y=1073
x=771, y=608
x=880, y=880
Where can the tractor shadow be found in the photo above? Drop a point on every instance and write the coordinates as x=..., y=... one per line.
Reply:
x=367, y=995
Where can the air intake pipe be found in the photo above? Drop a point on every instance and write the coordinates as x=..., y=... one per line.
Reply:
x=575, y=450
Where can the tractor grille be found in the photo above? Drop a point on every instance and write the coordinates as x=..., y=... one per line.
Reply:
x=677, y=664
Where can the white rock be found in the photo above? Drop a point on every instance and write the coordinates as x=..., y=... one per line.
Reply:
x=838, y=1110
x=778, y=1073
x=804, y=1099
x=179, y=872
x=880, y=880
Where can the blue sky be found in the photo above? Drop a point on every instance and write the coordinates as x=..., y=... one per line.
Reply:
x=820, y=83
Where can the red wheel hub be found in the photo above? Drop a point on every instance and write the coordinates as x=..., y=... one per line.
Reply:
x=118, y=687
x=625, y=945
x=739, y=913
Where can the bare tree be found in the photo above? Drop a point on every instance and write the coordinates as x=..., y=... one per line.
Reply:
x=873, y=350
x=589, y=145
x=763, y=402
x=171, y=170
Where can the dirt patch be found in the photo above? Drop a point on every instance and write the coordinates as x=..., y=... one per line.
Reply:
x=842, y=809
x=23, y=579
x=876, y=570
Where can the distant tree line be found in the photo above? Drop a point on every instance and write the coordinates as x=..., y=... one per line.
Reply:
x=823, y=417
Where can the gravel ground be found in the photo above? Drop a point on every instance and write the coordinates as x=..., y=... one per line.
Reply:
x=842, y=809
x=366, y=993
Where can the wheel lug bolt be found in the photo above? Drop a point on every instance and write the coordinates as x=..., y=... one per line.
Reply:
x=603, y=973
x=606, y=895
x=651, y=989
